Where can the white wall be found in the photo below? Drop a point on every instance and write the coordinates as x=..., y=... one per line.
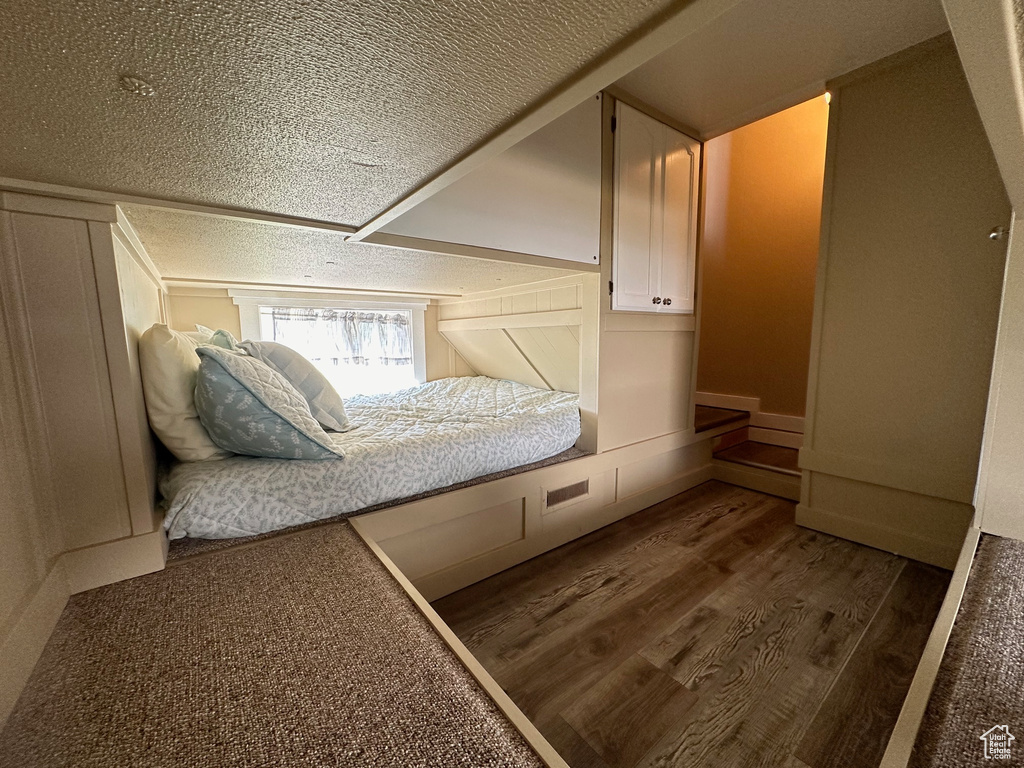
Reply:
x=32, y=585
x=77, y=479
x=906, y=308
x=989, y=47
x=541, y=196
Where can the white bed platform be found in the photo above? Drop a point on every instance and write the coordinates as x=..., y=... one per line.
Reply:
x=446, y=542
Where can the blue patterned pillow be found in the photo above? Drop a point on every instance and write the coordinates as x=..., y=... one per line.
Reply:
x=251, y=409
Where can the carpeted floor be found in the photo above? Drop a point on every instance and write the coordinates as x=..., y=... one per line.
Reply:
x=981, y=680
x=182, y=548
x=297, y=651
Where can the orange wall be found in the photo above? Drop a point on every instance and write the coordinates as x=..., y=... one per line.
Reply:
x=759, y=252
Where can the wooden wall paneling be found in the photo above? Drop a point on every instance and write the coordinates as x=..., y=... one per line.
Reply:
x=554, y=352
x=33, y=589
x=55, y=257
x=492, y=353
x=129, y=304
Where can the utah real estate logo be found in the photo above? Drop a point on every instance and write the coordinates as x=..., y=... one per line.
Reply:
x=997, y=742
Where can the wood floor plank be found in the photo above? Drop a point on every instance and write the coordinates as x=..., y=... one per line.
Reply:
x=612, y=579
x=549, y=680
x=628, y=711
x=852, y=727
x=741, y=716
x=751, y=527
x=473, y=606
x=572, y=747
x=746, y=620
x=705, y=641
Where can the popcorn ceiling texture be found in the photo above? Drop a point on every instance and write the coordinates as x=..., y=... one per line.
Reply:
x=193, y=246
x=328, y=111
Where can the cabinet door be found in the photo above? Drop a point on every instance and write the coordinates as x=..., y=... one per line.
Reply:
x=679, y=216
x=655, y=228
x=636, y=265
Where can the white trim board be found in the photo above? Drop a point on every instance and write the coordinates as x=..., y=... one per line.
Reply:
x=904, y=734
x=126, y=231
x=526, y=320
x=872, y=534
x=174, y=283
x=758, y=418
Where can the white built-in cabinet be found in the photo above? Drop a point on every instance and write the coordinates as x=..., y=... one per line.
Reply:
x=657, y=171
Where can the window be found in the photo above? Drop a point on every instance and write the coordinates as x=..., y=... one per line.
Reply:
x=361, y=351
x=361, y=347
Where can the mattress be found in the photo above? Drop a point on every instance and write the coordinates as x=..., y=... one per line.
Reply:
x=438, y=434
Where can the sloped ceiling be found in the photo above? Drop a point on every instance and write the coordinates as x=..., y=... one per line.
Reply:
x=762, y=56
x=322, y=110
x=197, y=247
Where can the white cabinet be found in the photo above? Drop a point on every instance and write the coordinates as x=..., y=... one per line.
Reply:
x=655, y=229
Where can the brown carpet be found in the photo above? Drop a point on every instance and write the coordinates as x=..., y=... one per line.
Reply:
x=181, y=548
x=981, y=680
x=299, y=651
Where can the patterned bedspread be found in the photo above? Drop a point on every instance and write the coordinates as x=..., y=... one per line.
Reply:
x=404, y=443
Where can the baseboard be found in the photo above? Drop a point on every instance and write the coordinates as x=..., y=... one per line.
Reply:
x=762, y=480
x=453, y=578
x=880, y=537
x=904, y=734
x=102, y=564
x=776, y=437
x=23, y=645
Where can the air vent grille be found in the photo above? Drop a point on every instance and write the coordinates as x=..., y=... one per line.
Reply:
x=568, y=493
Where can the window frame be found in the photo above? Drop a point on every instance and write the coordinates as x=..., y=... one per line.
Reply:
x=249, y=304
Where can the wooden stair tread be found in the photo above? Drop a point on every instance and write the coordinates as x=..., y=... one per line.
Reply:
x=708, y=417
x=773, y=458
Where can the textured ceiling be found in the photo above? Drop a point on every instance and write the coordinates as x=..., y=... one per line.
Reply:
x=185, y=245
x=322, y=110
x=746, y=63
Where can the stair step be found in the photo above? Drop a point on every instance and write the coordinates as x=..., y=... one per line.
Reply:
x=712, y=418
x=773, y=458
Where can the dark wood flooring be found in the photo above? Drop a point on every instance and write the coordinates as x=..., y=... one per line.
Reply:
x=708, y=630
x=707, y=417
x=763, y=456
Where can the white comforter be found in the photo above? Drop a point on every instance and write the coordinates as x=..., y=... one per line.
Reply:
x=404, y=443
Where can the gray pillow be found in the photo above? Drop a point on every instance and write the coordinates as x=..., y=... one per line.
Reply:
x=324, y=401
x=249, y=408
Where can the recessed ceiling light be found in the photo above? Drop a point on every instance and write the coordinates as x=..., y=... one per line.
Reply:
x=137, y=86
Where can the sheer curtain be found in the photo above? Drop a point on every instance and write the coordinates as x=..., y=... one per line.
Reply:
x=360, y=351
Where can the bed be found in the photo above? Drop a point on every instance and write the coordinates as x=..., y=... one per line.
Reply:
x=404, y=443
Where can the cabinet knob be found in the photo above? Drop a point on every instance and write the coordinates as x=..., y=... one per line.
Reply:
x=656, y=300
x=667, y=302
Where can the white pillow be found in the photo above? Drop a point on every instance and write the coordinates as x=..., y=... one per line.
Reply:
x=169, y=366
